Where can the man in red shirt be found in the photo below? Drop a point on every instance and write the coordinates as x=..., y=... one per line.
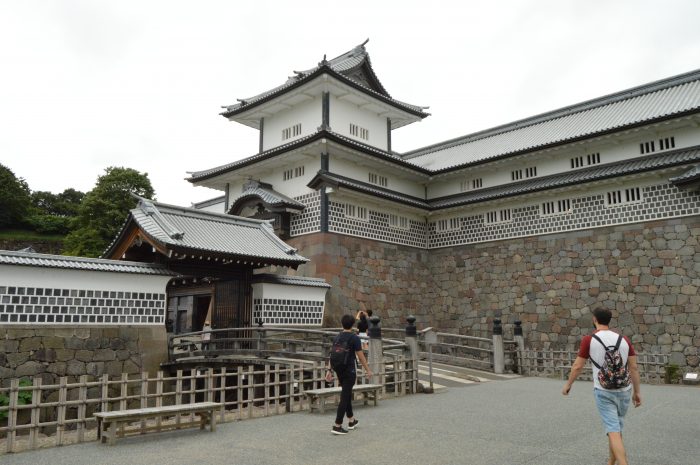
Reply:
x=612, y=403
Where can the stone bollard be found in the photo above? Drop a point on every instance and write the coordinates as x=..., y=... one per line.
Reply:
x=412, y=343
x=520, y=341
x=376, y=353
x=499, y=359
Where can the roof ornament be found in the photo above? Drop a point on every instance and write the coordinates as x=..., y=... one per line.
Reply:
x=148, y=207
x=323, y=62
x=242, y=102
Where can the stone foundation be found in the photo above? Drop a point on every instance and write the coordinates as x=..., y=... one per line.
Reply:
x=647, y=273
x=52, y=352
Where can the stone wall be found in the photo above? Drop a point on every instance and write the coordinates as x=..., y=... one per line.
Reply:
x=52, y=352
x=647, y=273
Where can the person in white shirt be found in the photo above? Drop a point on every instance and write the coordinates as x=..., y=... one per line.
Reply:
x=612, y=403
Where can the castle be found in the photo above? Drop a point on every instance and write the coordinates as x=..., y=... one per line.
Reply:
x=539, y=220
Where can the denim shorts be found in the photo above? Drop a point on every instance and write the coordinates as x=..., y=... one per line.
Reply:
x=612, y=406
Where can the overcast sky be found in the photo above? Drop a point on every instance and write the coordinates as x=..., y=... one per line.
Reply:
x=89, y=84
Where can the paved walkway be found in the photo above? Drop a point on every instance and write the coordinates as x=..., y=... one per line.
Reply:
x=523, y=421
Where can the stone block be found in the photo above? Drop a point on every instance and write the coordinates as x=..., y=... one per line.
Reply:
x=53, y=342
x=57, y=368
x=75, y=368
x=92, y=343
x=104, y=355
x=29, y=369
x=114, y=368
x=84, y=355
x=9, y=346
x=30, y=343
x=95, y=368
x=73, y=343
x=17, y=359
x=45, y=355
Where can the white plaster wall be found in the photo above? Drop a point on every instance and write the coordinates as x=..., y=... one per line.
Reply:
x=359, y=172
x=284, y=291
x=342, y=113
x=214, y=208
x=308, y=113
x=555, y=161
x=30, y=276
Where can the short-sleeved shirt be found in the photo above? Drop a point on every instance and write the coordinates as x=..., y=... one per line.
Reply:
x=590, y=348
x=354, y=344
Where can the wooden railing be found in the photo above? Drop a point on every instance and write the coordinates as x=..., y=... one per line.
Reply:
x=558, y=363
x=64, y=411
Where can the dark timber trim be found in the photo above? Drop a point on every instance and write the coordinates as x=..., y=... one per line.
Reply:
x=262, y=127
x=326, y=111
x=388, y=134
x=324, y=210
x=226, y=196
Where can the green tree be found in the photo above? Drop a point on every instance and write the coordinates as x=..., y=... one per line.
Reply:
x=15, y=203
x=54, y=213
x=104, y=210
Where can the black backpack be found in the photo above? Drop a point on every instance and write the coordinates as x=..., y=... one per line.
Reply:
x=613, y=373
x=340, y=352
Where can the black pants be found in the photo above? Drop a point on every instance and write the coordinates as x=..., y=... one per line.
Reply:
x=347, y=381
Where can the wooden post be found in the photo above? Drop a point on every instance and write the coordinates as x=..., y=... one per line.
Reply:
x=12, y=414
x=178, y=396
x=61, y=410
x=251, y=389
x=239, y=390
x=266, y=394
x=82, y=407
x=36, y=413
x=123, y=405
x=144, y=398
x=159, y=397
x=104, y=405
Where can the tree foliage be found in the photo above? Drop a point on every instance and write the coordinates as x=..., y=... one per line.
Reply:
x=104, y=209
x=54, y=213
x=15, y=202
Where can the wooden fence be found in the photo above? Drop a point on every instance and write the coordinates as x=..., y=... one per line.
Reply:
x=62, y=413
x=558, y=363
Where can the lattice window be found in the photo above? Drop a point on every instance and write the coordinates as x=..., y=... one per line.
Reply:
x=397, y=221
x=647, y=147
x=292, y=131
x=498, y=216
x=556, y=207
x=531, y=172
x=378, y=179
x=667, y=143
x=477, y=183
x=358, y=131
x=620, y=196
x=448, y=224
x=516, y=175
x=292, y=173
x=355, y=211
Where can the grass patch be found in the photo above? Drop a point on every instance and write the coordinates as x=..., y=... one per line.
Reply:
x=26, y=235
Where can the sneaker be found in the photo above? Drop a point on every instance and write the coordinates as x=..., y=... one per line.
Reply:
x=339, y=430
x=353, y=424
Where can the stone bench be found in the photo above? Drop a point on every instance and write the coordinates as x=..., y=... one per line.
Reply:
x=108, y=422
x=317, y=397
